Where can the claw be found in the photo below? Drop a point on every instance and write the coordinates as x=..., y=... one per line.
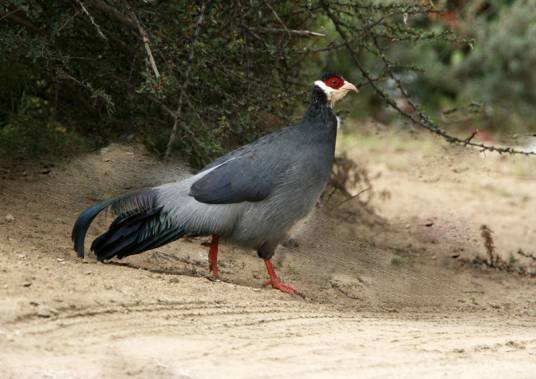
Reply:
x=278, y=285
x=275, y=282
x=214, y=269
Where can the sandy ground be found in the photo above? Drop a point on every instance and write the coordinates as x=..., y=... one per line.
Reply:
x=387, y=290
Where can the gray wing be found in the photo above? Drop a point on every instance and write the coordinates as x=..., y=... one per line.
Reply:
x=249, y=173
x=245, y=178
x=258, y=145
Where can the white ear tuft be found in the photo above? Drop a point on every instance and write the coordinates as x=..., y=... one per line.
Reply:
x=327, y=90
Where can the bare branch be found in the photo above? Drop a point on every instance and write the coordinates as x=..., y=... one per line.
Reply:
x=145, y=39
x=114, y=13
x=184, y=87
x=17, y=15
x=92, y=20
x=300, y=33
x=470, y=138
x=278, y=18
x=354, y=196
x=5, y=15
x=416, y=115
x=527, y=255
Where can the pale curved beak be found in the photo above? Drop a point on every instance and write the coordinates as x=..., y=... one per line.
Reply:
x=347, y=86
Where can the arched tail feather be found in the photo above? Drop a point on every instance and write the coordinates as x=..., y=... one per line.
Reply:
x=137, y=233
x=132, y=210
x=82, y=224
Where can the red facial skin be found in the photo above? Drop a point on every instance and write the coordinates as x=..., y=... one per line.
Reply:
x=334, y=82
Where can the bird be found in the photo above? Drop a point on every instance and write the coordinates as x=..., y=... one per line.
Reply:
x=249, y=197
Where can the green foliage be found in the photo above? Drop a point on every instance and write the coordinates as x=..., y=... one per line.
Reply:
x=490, y=80
x=93, y=70
x=33, y=133
x=476, y=58
x=231, y=71
x=500, y=70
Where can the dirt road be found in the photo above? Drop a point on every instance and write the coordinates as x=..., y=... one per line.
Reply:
x=388, y=290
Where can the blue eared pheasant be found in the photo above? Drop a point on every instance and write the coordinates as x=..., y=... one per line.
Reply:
x=251, y=196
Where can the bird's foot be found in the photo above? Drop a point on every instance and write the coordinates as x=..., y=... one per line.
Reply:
x=275, y=282
x=214, y=270
x=278, y=285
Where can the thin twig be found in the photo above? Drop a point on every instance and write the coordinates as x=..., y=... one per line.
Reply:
x=21, y=18
x=278, y=19
x=354, y=196
x=300, y=33
x=8, y=14
x=416, y=116
x=527, y=255
x=469, y=139
x=186, y=82
x=145, y=39
x=112, y=12
x=92, y=20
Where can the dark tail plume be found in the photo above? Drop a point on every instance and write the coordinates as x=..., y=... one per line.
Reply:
x=82, y=225
x=141, y=224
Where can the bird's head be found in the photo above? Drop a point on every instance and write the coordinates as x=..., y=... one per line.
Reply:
x=335, y=87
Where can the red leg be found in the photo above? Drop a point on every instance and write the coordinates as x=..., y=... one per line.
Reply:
x=213, y=256
x=274, y=280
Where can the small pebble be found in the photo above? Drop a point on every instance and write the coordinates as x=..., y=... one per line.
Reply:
x=46, y=312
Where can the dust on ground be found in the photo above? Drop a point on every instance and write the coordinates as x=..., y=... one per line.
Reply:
x=389, y=289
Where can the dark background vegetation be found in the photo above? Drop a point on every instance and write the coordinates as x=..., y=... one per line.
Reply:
x=75, y=75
